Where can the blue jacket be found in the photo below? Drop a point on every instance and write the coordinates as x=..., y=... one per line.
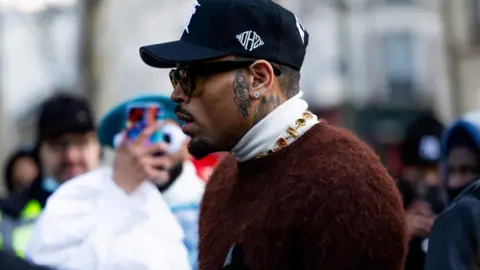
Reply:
x=454, y=241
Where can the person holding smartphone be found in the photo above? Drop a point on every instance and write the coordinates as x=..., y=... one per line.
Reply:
x=183, y=190
x=113, y=218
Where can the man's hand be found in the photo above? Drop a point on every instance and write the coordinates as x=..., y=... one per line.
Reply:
x=419, y=225
x=419, y=219
x=135, y=162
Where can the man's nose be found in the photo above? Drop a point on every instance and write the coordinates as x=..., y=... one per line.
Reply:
x=71, y=153
x=178, y=95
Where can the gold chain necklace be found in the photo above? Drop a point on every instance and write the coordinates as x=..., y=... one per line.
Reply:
x=308, y=119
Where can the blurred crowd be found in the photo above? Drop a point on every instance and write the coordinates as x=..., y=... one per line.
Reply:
x=69, y=144
x=438, y=163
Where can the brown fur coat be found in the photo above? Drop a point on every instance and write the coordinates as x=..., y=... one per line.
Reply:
x=325, y=202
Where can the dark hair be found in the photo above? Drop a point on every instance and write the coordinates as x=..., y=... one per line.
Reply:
x=289, y=81
x=10, y=165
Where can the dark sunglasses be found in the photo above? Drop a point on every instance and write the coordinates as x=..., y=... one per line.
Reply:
x=187, y=75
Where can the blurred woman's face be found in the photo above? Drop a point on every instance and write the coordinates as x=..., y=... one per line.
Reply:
x=25, y=171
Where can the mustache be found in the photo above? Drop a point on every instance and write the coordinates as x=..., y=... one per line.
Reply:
x=180, y=110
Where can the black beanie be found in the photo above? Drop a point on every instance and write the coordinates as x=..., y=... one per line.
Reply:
x=64, y=113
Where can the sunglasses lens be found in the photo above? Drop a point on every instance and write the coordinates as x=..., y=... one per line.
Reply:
x=185, y=81
x=173, y=78
x=181, y=76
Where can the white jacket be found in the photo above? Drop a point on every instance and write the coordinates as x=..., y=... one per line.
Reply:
x=89, y=223
x=187, y=189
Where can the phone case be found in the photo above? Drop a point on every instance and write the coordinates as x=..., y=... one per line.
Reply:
x=141, y=116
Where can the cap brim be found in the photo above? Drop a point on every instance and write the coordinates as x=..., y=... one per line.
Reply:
x=168, y=55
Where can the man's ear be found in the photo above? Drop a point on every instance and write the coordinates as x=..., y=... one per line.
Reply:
x=263, y=79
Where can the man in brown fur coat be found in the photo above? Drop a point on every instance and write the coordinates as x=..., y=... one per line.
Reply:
x=296, y=193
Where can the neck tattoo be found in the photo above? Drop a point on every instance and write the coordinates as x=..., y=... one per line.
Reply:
x=241, y=94
x=266, y=106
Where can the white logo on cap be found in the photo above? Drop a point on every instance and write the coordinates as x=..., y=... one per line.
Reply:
x=194, y=9
x=250, y=40
x=301, y=29
x=429, y=148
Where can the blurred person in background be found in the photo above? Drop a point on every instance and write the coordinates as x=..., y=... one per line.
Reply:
x=421, y=153
x=297, y=193
x=420, y=184
x=184, y=189
x=114, y=218
x=66, y=146
x=21, y=170
x=455, y=237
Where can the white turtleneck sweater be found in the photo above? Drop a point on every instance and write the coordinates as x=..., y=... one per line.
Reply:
x=265, y=133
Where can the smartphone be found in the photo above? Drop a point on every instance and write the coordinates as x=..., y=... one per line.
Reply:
x=140, y=116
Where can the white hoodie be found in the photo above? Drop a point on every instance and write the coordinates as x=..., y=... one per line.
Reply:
x=89, y=223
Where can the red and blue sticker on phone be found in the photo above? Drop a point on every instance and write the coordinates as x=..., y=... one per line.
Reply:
x=140, y=115
x=143, y=115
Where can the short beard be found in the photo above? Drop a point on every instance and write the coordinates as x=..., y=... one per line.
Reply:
x=199, y=148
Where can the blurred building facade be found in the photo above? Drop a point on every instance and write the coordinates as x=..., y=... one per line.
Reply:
x=398, y=54
x=396, y=68
x=39, y=45
x=462, y=24
x=389, y=63
x=378, y=64
x=383, y=52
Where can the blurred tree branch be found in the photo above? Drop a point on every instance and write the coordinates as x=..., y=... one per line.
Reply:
x=87, y=54
x=452, y=57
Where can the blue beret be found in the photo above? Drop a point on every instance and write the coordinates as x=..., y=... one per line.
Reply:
x=114, y=121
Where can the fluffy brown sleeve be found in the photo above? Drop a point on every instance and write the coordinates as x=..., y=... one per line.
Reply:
x=353, y=218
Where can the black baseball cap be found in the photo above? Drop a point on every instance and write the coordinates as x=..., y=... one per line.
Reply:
x=64, y=113
x=421, y=144
x=258, y=29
